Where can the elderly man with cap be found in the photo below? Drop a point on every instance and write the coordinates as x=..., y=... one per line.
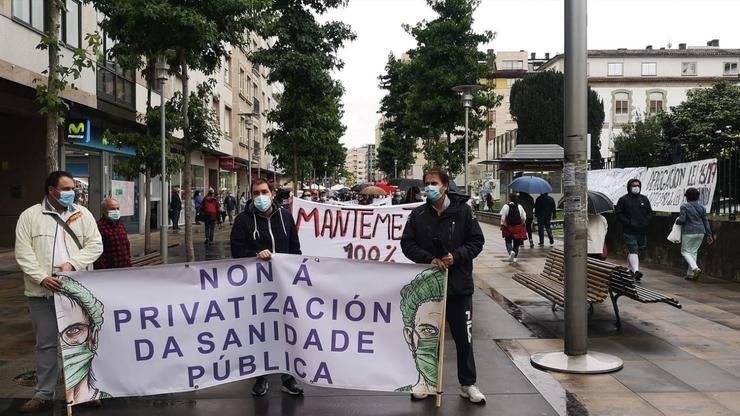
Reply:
x=116, y=247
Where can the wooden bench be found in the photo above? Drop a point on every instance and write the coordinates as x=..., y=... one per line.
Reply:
x=551, y=282
x=150, y=259
x=602, y=279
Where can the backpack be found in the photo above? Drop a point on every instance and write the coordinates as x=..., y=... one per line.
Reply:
x=513, y=217
x=209, y=206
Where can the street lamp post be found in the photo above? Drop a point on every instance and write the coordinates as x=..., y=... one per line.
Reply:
x=575, y=358
x=395, y=168
x=161, y=69
x=467, y=99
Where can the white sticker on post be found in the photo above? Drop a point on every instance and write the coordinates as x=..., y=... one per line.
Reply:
x=573, y=204
x=569, y=174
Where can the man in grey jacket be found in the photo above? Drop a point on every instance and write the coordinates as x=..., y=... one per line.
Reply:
x=55, y=236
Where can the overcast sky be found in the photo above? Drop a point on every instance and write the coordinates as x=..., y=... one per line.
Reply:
x=531, y=25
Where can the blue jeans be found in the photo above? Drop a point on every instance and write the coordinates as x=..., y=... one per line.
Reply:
x=690, y=244
x=512, y=244
x=210, y=226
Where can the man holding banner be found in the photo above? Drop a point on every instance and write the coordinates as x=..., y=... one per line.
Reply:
x=262, y=229
x=445, y=233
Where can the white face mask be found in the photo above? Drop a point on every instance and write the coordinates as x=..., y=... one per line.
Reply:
x=636, y=190
x=114, y=214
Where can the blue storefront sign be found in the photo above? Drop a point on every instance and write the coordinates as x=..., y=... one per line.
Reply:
x=81, y=133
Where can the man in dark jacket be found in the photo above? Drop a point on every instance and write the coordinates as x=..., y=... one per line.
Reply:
x=527, y=202
x=230, y=205
x=634, y=213
x=262, y=229
x=444, y=232
x=175, y=208
x=544, y=211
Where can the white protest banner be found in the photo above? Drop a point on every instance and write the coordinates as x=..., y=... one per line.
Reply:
x=123, y=191
x=359, y=232
x=613, y=182
x=182, y=327
x=665, y=186
x=376, y=202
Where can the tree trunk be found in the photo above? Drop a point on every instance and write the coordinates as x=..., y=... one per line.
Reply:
x=52, y=128
x=187, y=177
x=449, y=154
x=148, y=212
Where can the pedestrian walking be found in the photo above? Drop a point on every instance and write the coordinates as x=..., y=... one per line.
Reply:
x=243, y=199
x=413, y=195
x=210, y=209
x=545, y=211
x=597, y=229
x=527, y=202
x=263, y=229
x=694, y=226
x=197, y=200
x=221, y=218
x=175, y=208
x=55, y=236
x=634, y=213
x=489, y=202
x=444, y=232
x=512, y=226
x=230, y=206
x=116, y=247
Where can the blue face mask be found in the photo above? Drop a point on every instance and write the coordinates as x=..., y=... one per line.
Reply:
x=66, y=198
x=115, y=214
x=433, y=192
x=263, y=203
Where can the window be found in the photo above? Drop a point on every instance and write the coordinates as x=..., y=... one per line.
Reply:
x=243, y=82
x=730, y=68
x=216, y=109
x=256, y=68
x=513, y=64
x=227, y=70
x=655, y=102
x=71, y=24
x=649, y=69
x=615, y=69
x=30, y=12
x=114, y=84
x=227, y=122
x=254, y=89
x=688, y=68
x=510, y=82
x=621, y=107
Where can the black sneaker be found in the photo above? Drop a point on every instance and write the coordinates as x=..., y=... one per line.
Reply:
x=531, y=244
x=540, y=244
x=638, y=276
x=260, y=387
x=291, y=387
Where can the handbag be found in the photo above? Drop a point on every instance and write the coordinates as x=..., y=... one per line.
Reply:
x=675, y=234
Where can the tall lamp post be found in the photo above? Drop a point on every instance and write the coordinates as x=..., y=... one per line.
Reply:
x=467, y=100
x=249, y=122
x=575, y=358
x=395, y=168
x=161, y=70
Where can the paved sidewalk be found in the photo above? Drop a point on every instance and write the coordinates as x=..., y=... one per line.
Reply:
x=509, y=390
x=677, y=361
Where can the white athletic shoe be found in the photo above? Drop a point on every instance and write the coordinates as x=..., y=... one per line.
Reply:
x=511, y=257
x=419, y=396
x=472, y=393
x=515, y=260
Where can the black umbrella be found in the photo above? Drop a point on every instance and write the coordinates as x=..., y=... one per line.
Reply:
x=360, y=186
x=405, y=184
x=598, y=203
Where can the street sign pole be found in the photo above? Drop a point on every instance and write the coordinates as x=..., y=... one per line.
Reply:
x=576, y=358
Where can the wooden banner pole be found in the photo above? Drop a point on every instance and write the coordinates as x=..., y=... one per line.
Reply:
x=441, y=349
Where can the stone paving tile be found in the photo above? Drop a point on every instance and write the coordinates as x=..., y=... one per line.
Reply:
x=707, y=348
x=682, y=404
x=731, y=366
x=598, y=383
x=730, y=400
x=646, y=377
x=616, y=404
x=700, y=374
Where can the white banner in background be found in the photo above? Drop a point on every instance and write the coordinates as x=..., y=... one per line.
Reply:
x=182, y=327
x=664, y=186
x=359, y=232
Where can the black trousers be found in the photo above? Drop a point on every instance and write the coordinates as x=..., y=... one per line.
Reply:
x=175, y=219
x=542, y=225
x=460, y=320
x=530, y=230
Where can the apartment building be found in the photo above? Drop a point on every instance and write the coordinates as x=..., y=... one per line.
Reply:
x=637, y=82
x=106, y=98
x=362, y=163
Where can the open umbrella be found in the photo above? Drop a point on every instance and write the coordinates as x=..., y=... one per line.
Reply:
x=598, y=203
x=360, y=186
x=374, y=191
x=386, y=187
x=405, y=184
x=530, y=185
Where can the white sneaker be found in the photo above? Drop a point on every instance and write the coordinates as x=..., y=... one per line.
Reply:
x=511, y=257
x=514, y=260
x=419, y=396
x=472, y=393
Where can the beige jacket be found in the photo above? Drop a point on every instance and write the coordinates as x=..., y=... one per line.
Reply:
x=34, y=244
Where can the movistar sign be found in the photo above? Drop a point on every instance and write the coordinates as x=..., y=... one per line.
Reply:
x=78, y=130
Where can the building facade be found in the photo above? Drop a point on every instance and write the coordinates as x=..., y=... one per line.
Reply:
x=634, y=83
x=106, y=98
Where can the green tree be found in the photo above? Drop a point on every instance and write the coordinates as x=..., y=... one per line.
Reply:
x=447, y=55
x=307, y=118
x=641, y=143
x=707, y=124
x=196, y=35
x=536, y=104
x=147, y=160
x=59, y=77
x=397, y=148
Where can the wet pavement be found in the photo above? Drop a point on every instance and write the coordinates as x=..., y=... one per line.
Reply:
x=509, y=390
